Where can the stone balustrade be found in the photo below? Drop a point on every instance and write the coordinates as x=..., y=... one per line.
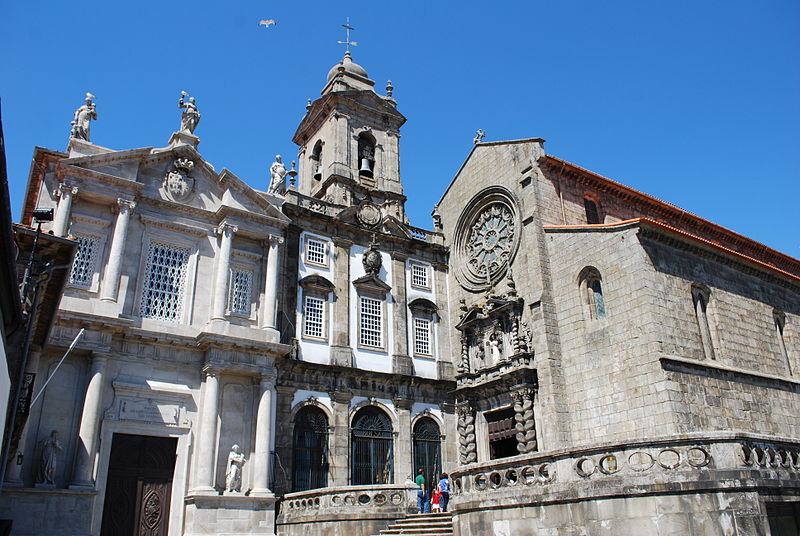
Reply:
x=319, y=510
x=676, y=461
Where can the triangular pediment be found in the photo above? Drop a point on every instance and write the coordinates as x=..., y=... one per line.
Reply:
x=371, y=282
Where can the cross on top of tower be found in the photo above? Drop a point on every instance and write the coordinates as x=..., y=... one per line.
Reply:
x=347, y=41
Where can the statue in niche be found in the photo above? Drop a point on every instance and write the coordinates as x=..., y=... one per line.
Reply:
x=277, y=172
x=190, y=116
x=233, y=478
x=82, y=120
x=49, y=460
x=495, y=347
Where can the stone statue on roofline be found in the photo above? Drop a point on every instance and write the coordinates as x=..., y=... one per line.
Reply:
x=190, y=116
x=277, y=172
x=82, y=119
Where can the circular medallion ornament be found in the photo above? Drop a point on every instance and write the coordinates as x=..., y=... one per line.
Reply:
x=368, y=214
x=486, y=238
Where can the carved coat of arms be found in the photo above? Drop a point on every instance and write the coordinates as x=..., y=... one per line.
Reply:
x=177, y=182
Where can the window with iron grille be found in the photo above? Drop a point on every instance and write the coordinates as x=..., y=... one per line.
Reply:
x=241, y=287
x=163, y=287
x=371, y=322
x=419, y=276
x=315, y=251
x=310, y=446
x=372, y=448
x=314, y=317
x=422, y=336
x=83, y=267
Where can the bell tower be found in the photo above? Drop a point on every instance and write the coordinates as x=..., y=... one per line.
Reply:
x=350, y=142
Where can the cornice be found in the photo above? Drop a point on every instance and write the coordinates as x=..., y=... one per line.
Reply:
x=173, y=225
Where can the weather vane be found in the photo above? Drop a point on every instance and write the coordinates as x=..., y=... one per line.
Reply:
x=347, y=41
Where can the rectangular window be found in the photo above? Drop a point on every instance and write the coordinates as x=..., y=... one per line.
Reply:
x=241, y=285
x=371, y=322
x=419, y=276
x=422, y=337
x=83, y=267
x=592, y=214
x=163, y=287
x=314, y=317
x=315, y=252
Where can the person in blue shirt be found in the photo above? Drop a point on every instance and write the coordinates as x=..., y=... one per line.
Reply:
x=444, y=489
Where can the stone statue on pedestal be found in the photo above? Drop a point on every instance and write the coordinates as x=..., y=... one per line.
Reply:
x=233, y=478
x=49, y=460
x=83, y=116
x=277, y=173
x=190, y=116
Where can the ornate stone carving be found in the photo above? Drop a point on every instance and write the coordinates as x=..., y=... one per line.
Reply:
x=368, y=214
x=487, y=236
x=177, y=183
x=49, y=460
x=277, y=172
x=372, y=260
x=490, y=240
x=468, y=449
x=463, y=365
x=523, y=416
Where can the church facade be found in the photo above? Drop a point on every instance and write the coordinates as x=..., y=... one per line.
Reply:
x=580, y=357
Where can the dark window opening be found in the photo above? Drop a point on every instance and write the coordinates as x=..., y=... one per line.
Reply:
x=783, y=518
x=366, y=155
x=592, y=214
x=316, y=161
x=372, y=454
x=310, y=450
x=502, y=434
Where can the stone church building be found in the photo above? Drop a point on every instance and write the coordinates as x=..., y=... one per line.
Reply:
x=580, y=357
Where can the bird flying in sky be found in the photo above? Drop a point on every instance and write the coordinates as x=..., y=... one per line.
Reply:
x=267, y=23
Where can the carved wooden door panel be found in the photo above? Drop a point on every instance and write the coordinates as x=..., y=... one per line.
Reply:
x=152, y=507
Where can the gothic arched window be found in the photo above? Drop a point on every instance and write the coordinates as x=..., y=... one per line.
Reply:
x=591, y=289
x=372, y=455
x=310, y=449
x=700, y=297
x=427, y=448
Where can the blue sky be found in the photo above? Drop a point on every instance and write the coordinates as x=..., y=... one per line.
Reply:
x=695, y=103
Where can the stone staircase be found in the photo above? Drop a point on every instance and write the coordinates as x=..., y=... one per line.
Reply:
x=423, y=524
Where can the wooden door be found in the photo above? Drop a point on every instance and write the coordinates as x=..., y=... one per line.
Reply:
x=152, y=507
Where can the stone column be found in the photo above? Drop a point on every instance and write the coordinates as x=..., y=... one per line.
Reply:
x=61, y=219
x=524, y=419
x=88, y=434
x=14, y=471
x=341, y=352
x=403, y=464
x=284, y=428
x=261, y=453
x=467, y=447
x=226, y=230
x=270, y=318
x=207, y=438
x=111, y=278
x=401, y=361
x=340, y=447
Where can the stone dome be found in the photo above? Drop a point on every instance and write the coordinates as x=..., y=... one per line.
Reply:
x=349, y=66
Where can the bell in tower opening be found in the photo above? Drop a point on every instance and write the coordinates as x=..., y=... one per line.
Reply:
x=366, y=155
x=316, y=161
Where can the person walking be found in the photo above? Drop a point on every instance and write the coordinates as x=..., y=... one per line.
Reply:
x=444, y=489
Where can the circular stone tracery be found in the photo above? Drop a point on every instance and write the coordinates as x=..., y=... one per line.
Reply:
x=486, y=238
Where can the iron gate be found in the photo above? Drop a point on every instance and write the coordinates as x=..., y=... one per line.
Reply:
x=427, y=450
x=372, y=459
x=310, y=447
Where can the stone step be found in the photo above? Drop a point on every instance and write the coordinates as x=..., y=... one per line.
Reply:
x=422, y=524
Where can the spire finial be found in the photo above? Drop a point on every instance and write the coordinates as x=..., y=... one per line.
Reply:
x=347, y=41
x=389, y=88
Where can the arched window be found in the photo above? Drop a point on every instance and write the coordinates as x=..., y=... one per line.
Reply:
x=310, y=448
x=592, y=212
x=316, y=161
x=372, y=456
x=700, y=296
x=427, y=448
x=366, y=155
x=591, y=289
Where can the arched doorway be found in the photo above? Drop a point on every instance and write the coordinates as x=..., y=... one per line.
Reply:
x=427, y=449
x=310, y=449
x=372, y=452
